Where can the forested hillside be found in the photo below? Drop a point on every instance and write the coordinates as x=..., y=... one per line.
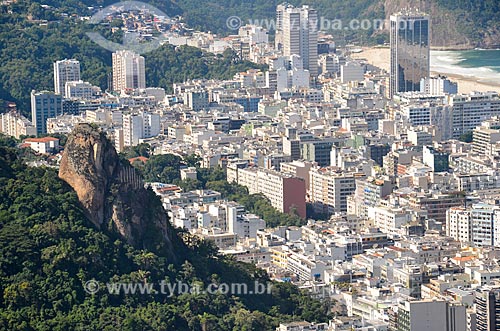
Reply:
x=49, y=250
x=28, y=51
x=461, y=23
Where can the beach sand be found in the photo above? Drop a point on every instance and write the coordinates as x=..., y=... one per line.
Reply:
x=380, y=57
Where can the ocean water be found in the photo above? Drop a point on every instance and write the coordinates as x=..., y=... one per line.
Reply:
x=483, y=65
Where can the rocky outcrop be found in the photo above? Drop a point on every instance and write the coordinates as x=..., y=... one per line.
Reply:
x=444, y=30
x=112, y=192
x=88, y=165
x=447, y=27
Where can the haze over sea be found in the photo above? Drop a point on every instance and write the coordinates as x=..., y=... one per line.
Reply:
x=483, y=65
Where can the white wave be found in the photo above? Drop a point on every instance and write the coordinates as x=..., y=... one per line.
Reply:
x=448, y=62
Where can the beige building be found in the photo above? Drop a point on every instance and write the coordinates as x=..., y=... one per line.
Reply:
x=485, y=136
x=329, y=189
x=65, y=71
x=128, y=71
x=286, y=192
x=16, y=125
x=300, y=34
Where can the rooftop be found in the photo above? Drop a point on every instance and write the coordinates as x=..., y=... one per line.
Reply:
x=40, y=140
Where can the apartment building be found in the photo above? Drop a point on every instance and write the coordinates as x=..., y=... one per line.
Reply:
x=468, y=111
x=128, y=71
x=16, y=125
x=65, y=71
x=329, y=189
x=286, y=192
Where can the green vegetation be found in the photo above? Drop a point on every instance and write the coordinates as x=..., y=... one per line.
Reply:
x=166, y=169
x=28, y=51
x=162, y=168
x=169, y=64
x=255, y=203
x=138, y=150
x=49, y=250
x=466, y=137
x=474, y=17
x=8, y=141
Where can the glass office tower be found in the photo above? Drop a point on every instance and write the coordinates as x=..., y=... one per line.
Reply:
x=410, y=51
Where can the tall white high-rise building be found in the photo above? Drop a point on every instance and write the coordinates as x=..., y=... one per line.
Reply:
x=278, y=40
x=128, y=71
x=65, y=71
x=299, y=34
x=410, y=51
x=459, y=224
x=133, y=129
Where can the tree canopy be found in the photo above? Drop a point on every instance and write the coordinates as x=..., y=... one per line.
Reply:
x=166, y=169
x=28, y=51
x=49, y=251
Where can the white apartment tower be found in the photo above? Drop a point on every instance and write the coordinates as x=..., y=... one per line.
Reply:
x=299, y=34
x=139, y=126
x=132, y=129
x=458, y=224
x=478, y=225
x=65, y=71
x=128, y=71
x=328, y=190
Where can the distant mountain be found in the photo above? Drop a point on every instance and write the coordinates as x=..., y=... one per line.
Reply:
x=455, y=23
x=28, y=50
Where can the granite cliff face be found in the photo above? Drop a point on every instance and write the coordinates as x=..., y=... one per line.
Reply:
x=448, y=26
x=453, y=29
x=112, y=192
x=445, y=32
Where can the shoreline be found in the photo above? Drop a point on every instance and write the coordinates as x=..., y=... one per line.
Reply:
x=380, y=57
x=445, y=48
x=469, y=84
